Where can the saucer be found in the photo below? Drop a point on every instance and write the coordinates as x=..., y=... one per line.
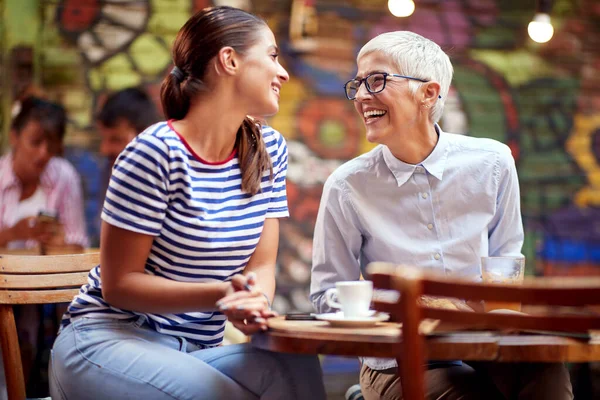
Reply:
x=338, y=319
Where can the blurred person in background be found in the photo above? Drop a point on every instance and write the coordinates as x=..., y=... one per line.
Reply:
x=34, y=179
x=123, y=115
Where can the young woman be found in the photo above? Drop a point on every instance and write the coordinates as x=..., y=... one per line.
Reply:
x=189, y=232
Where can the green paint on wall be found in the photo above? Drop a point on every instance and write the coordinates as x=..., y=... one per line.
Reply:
x=96, y=79
x=517, y=67
x=150, y=56
x=168, y=17
x=118, y=73
x=332, y=133
x=529, y=251
x=482, y=104
x=60, y=56
x=22, y=19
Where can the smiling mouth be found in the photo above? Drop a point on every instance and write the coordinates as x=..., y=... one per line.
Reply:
x=275, y=89
x=373, y=115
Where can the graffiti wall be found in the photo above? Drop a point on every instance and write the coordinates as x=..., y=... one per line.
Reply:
x=542, y=100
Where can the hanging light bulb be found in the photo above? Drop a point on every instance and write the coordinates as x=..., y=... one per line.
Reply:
x=401, y=8
x=540, y=29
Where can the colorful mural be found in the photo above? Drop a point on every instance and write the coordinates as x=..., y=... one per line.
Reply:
x=542, y=100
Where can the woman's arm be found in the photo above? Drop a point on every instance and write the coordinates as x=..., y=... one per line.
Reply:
x=123, y=256
x=247, y=309
x=71, y=208
x=264, y=259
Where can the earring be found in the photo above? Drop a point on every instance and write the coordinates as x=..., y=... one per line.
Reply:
x=424, y=105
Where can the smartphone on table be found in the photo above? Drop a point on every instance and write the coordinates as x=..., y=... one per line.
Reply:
x=300, y=316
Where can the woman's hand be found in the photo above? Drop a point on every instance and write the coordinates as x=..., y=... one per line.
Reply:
x=246, y=306
x=35, y=229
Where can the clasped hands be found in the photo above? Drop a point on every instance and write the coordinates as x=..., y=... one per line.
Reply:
x=245, y=305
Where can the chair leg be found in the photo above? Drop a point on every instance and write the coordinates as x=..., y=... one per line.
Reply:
x=412, y=374
x=411, y=361
x=11, y=354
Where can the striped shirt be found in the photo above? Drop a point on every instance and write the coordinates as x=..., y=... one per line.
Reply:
x=61, y=187
x=206, y=229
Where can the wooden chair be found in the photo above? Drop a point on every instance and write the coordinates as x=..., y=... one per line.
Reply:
x=27, y=279
x=413, y=283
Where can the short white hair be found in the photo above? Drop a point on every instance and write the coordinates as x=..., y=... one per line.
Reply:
x=417, y=57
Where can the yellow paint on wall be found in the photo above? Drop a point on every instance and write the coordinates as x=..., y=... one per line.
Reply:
x=167, y=17
x=292, y=95
x=114, y=74
x=517, y=67
x=579, y=144
x=22, y=19
x=149, y=55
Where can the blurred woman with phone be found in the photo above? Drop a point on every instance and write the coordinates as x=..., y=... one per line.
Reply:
x=40, y=192
x=40, y=206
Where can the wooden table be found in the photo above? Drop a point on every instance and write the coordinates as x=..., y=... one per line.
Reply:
x=318, y=337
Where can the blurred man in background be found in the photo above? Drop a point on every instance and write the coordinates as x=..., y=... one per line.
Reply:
x=123, y=115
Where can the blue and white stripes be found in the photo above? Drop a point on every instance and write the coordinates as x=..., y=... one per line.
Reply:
x=206, y=228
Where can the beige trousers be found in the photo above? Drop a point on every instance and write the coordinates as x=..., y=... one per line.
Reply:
x=474, y=381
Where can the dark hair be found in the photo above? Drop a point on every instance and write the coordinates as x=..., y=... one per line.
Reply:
x=132, y=105
x=51, y=116
x=196, y=44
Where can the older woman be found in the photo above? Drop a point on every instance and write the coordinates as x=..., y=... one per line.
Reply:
x=424, y=197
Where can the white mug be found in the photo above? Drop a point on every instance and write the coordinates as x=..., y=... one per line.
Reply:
x=354, y=297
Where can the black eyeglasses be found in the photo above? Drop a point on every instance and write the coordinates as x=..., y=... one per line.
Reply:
x=374, y=83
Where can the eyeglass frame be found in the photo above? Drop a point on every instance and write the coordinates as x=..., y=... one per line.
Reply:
x=385, y=75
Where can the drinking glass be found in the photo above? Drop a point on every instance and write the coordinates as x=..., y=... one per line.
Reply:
x=505, y=270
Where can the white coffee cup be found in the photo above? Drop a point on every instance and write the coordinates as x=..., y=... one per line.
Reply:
x=354, y=297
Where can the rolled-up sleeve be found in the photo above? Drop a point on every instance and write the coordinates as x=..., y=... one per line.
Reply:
x=336, y=245
x=70, y=208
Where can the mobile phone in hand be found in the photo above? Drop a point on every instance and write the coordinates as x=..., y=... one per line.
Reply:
x=300, y=316
x=47, y=216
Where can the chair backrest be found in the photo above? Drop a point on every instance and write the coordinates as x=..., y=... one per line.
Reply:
x=34, y=279
x=26, y=279
x=413, y=283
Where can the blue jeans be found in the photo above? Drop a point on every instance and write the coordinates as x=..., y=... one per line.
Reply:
x=113, y=359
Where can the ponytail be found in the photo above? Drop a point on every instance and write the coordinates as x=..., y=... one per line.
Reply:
x=176, y=92
x=197, y=43
x=253, y=156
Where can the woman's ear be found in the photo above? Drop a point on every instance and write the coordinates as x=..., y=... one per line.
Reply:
x=431, y=92
x=227, y=62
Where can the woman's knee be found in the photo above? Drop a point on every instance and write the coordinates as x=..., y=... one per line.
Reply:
x=56, y=391
x=550, y=378
x=376, y=385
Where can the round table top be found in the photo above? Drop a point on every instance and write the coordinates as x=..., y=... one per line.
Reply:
x=382, y=340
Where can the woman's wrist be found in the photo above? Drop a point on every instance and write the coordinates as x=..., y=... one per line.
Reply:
x=267, y=298
x=227, y=289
